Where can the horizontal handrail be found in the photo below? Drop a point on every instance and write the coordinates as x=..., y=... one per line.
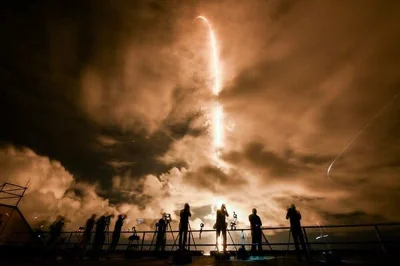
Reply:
x=72, y=237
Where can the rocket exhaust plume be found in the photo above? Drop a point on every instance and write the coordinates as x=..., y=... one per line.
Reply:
x=217, y=120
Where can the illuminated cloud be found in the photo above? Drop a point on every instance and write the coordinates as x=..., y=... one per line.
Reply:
x=122, y=118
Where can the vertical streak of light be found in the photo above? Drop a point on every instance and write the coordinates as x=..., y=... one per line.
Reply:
x=217, y=126
x=217, y=123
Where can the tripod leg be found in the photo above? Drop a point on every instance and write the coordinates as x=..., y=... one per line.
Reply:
x=175, y=241
x=172, y=232
x=152, y=240
x=233, y=242
x=269, y=245
x=288, y=244
x=191, y=234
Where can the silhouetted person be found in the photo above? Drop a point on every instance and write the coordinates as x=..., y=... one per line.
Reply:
x=221, y=225
x=184, y=226
x=117, y=232
x=55, y=231
x=161, y=230
x=255, y=225
x=99, y=236
x=87, y=234
x=297, y=233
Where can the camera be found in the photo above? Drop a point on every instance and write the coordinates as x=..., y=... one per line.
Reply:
x=134, y=236
x=167, y=217
x=107, y=220
x=233, y=225
x=201, y=229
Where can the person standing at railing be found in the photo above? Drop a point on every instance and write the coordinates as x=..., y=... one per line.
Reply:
x=99, y=235
x=297, y=233
x=161, y=230
x=255, y=225
x=184, y=226
x=221, y=225
x=55, y=231
x=87, y=234
x=117, y=232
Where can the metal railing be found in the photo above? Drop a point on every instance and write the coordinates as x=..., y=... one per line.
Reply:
x=381, y=236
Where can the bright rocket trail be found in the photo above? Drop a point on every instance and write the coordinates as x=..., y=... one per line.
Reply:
x=214, y=55
x=358, y=134
x=217, y=121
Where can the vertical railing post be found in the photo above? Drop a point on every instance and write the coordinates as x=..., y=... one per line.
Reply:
x=379, y=238
x=306, y=239
x=189, y=238
x=69, y=240
x=288, y=244
x=141, y=245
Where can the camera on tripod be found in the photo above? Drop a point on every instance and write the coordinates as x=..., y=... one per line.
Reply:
x=167, y=217
x=134, y=235
x=201, y=229
x=234, y=222
x=233, y=225
x=108, y=219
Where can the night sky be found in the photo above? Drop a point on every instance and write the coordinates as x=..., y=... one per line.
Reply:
x=105, y=106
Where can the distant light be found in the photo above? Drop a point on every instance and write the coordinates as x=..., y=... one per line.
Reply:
x=321, y=236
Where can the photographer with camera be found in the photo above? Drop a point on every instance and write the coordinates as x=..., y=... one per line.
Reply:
x=184, y=226
x=221, y=225
x=100, y=235
x=87, y=233
x=55, y=231
x=117, y=232
x=297, y=233
x=161, y=231
x=256, y=232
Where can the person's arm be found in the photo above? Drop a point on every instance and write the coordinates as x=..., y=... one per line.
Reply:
x=287, y=215
x=260, y=221
x=299, y=215
x=190, y=214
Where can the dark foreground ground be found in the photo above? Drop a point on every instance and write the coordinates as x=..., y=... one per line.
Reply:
x=348, y=258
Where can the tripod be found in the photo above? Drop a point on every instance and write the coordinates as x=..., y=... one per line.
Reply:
x=230, y=236
x=269, y=245
x=168, y=226
x=306, y=248
x=133, y=243
x=190, y=236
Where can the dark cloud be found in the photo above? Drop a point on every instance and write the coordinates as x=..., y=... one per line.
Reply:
x=214, y=179
x=354, y=217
